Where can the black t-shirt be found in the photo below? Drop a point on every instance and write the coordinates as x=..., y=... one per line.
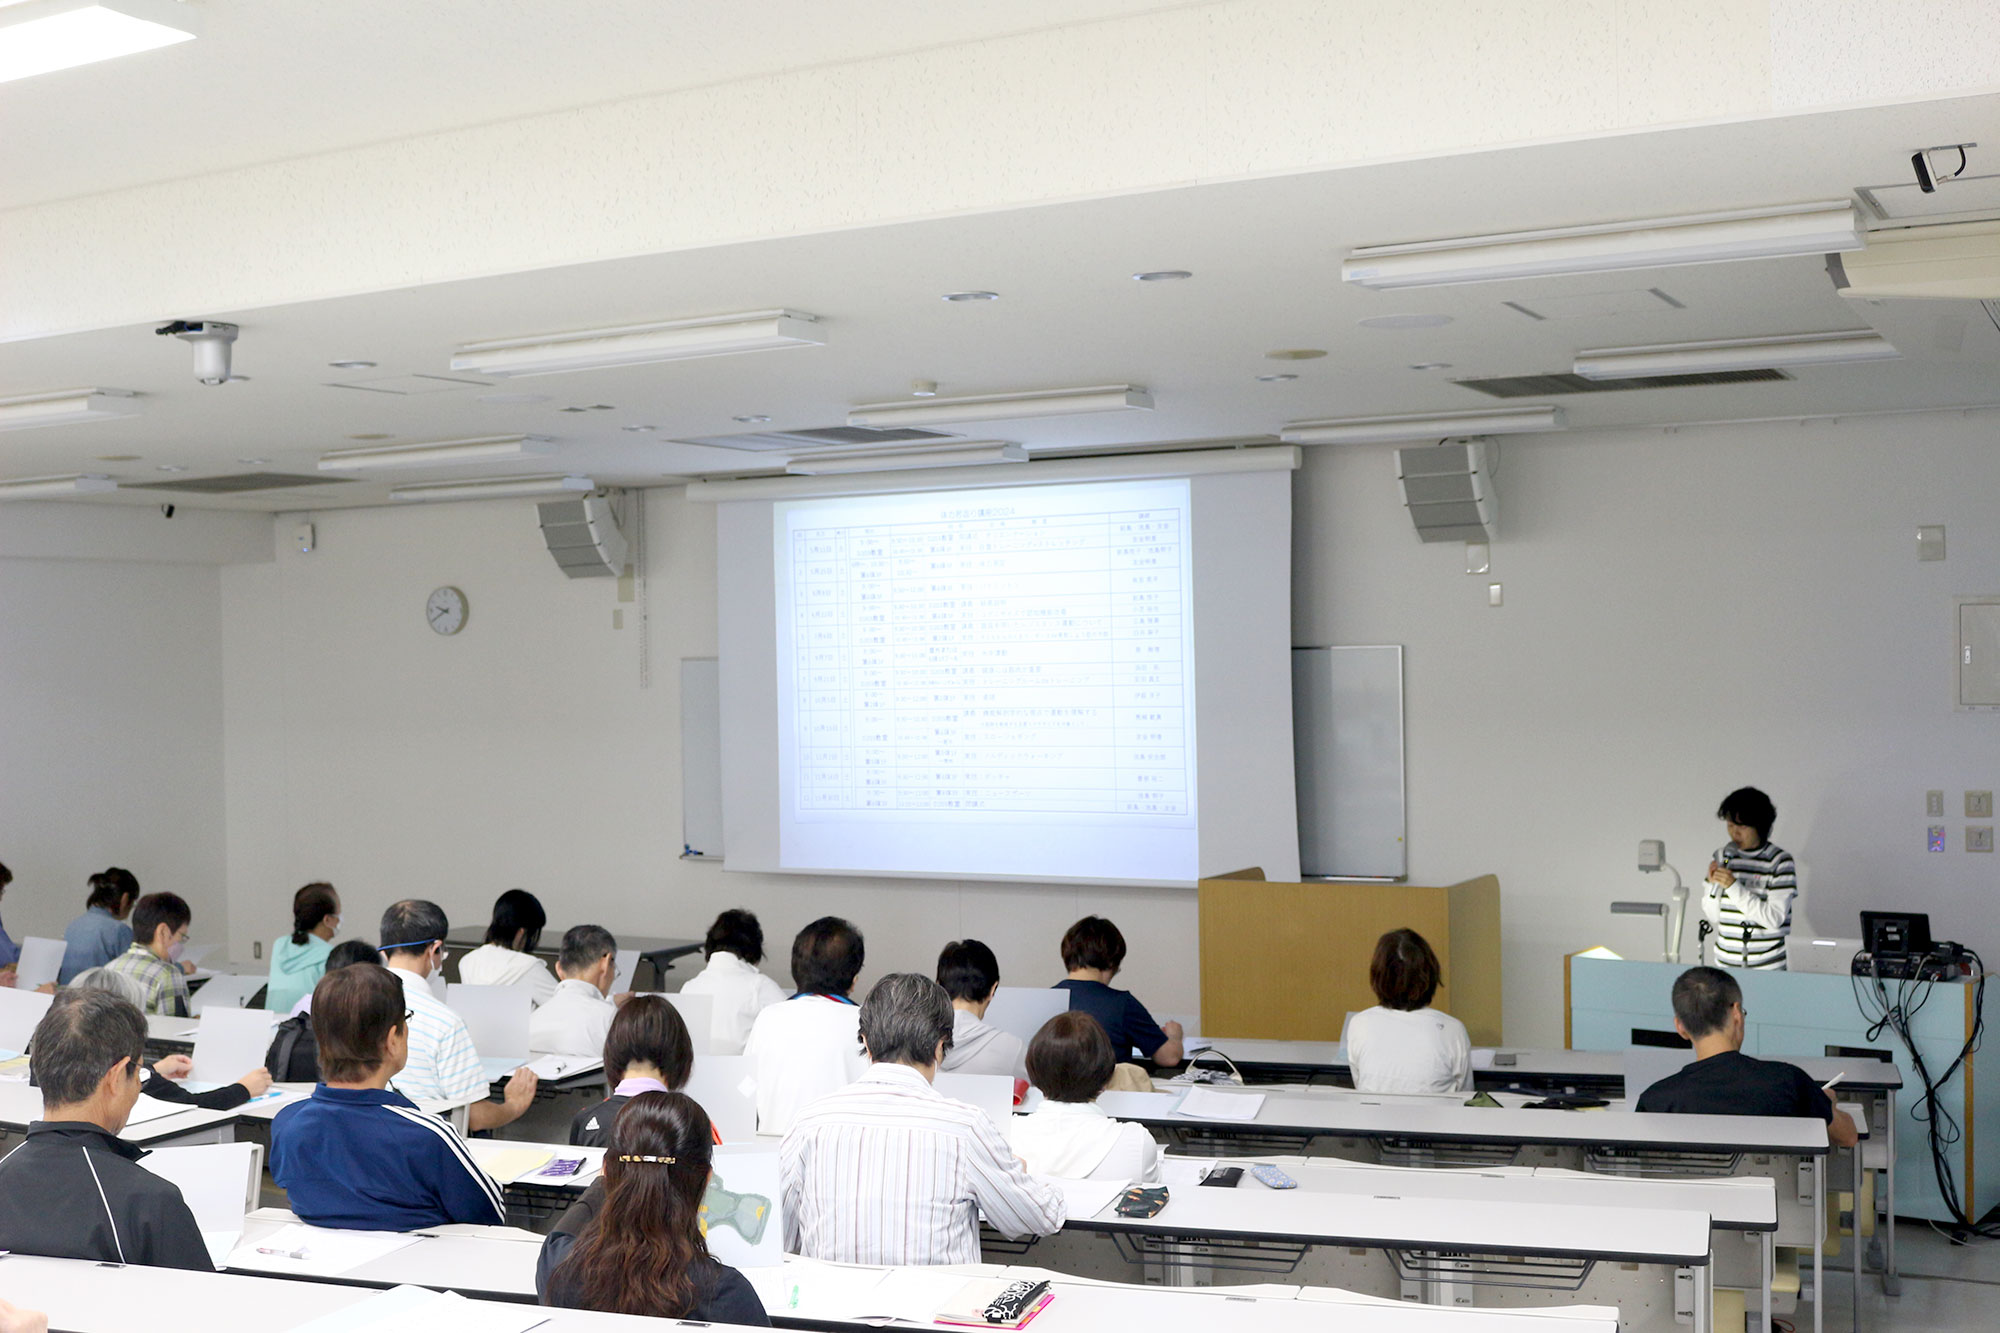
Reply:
x=1124, y=1018
x=1733, y=1083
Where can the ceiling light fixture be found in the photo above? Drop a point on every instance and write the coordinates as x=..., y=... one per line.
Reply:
x=1295, y=354
x=500, y=488
x=1803, y=349
x=971, y=453
x=66, y=407
x=641, y=430
x=1424, y=426
x=1005, y=406
x=1702, y=238
x=972, y=296
x=639, y=344
x=42, y=36
x=1389, y=323
x=352, y=365
x=52, y=488
x=1162, y=275
x=1431, y=365
x=752, y=419
x=1279, y=378
x=254, y=462
x=486, y=449
x=170, y=467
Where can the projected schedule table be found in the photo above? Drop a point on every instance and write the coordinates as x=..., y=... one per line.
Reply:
x=988, y=661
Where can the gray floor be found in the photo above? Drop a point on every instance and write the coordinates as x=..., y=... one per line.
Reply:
x=1946, y=1289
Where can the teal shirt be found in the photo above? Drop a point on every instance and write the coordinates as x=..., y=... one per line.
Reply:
x=295, y=970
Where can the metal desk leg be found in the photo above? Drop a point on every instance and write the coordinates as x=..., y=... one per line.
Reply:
x=1892, y=1279
x=1704, y=1295
x=1769, y=1265
x=1854, y=1180
x=1820, y=1173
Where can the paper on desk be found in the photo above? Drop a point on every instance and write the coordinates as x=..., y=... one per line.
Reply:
x=417, y=1310
x=151, y=1108
x=624, y=970
x=1482, y=1057
x=507, y=1162
x=1085, y=1198
x=320, y=1251
x=806, y=1290
x=1207, y=1104
x=549, y=1068
x=1183, y=1172
x=915, y=1295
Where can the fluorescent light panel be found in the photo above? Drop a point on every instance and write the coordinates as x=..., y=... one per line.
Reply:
x=64, y=408
x=640, y=344
x=43, y=36
x=54, y=488
x=498, y=489
x=1434, y=426
x=1804, y=349
x=485, y=449
x=897, y=460
x=1004, y=406
x=1705, y=238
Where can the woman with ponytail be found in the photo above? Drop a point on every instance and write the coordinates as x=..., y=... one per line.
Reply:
x=633, y=1244
x=100, y=934
x=298, y=960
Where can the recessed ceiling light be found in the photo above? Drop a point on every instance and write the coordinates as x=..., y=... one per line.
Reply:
x=1295, y=354
x=119, y=458
x=1431, y=365
x=752, y=419
x=643, y=429
x=254, y=462
x=371, y=437
x=972, y=296
x=63, y=36
x=1405, y=321
x=1276, y=379
x=352, y=365
x=171, y=467
x=513, y=399
x=1162, y=275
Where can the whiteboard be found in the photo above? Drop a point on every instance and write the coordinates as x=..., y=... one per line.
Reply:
x=701, y=757
x=1347, y=737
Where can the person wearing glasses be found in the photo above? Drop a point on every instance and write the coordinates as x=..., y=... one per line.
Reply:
x=159, y=930
x=357, y=1154
x=440, y=1063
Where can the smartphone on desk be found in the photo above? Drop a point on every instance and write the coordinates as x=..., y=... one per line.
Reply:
x=1223, y=1177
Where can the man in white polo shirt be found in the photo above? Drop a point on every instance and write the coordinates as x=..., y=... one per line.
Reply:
x=443, y=1064
x=809, y=1045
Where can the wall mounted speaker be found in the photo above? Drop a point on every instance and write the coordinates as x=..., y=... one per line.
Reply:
x=1448, y=489
x=584, y=537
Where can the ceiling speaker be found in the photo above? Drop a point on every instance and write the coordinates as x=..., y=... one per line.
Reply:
x=584, y=537
x=1448, y=489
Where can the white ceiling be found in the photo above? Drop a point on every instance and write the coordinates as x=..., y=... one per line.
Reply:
x=1265, y=256
x=276, y=79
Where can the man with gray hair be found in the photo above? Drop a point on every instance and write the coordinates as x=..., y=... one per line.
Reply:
x=577, y=1018
x=74, y=1189
x=890, y=1171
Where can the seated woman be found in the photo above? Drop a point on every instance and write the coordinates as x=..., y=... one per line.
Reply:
x=1071, y=1061
x=293, y=1057
x=633, y=1244
x=1402, y=1044
x=647, y=1050
x=508, y=956
x=357, y=1155
x=162, y=1079
x=298, y=960
x=1093, y=951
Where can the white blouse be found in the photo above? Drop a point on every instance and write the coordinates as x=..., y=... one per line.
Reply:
x=1408, y=1050
x=1078, y=1141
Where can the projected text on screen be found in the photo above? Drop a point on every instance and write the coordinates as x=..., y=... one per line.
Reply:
x=989, y=682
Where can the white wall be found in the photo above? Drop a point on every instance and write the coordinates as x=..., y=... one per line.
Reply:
x=1684, y=614
x=110, y=733
x=366, y=750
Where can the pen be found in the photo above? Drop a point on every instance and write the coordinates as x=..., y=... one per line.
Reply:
x=1828, y=1085
x=299, y=1253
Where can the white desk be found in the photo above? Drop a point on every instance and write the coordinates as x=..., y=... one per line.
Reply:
x=265, y=1109
x=493, y=1262
x=21, y=1104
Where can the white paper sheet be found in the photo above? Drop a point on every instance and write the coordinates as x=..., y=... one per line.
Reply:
x=298, y=1250
x=231, y=1043
x=417, y=1310
x=152, y=1108
x=39, y=963
x=1087, y=1198
x=549, y=1068
x=1207, y=1104
x=1185, y=1172
x=626, y=967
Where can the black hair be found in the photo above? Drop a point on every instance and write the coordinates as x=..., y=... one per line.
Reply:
x=1750, y=808
x=1404, y=973
x=516, y=911
x=1095, y=943
x=412, y=926
x=110, y=888
x=968, y=970
x=648, y=1028
x=582, y=946
x=1071, y=1059
x=354, y=1010
x=827, y=957
x=310, y=906
x=735, y=931
x=81, y=1037
x=156, y=910
x=1702, y=996
x=904, y=1019
x=349, y=952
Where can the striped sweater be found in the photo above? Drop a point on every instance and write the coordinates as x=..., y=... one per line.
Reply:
x=1752, y=917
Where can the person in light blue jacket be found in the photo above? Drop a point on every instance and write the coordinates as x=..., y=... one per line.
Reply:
x=298, y=960
x=100, y=934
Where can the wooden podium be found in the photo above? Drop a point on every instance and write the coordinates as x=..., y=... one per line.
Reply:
x=1288, y=962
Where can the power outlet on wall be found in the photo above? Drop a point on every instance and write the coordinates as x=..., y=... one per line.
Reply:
x=1978, y=837
x=257, y=948
x=1934, y=803
x=1979, y=805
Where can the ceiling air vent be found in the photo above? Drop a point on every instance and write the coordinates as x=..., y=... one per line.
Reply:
x=1538, y=386
x=773, y=441
x=236, y=484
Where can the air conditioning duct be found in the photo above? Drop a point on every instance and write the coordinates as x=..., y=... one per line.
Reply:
x=584, y=537
x=1448, y=489
x=1959, y=262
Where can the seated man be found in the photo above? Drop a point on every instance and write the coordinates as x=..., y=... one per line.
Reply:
x=356, y=1155
x=576, y=1017
x=1708, y=1011
x=159, y=929
x=74, y=1189
x=808, y=1046
x=890, y=1171
x=1093, y=952
x=442, y=1065
x=970, y=974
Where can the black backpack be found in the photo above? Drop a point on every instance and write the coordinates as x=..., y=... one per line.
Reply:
x=294, y=1053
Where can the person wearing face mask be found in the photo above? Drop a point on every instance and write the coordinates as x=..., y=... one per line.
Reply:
x=159, y=929
x=1752, y=883
x=577, y=1017
x=298, y=960
x=441, y=1062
